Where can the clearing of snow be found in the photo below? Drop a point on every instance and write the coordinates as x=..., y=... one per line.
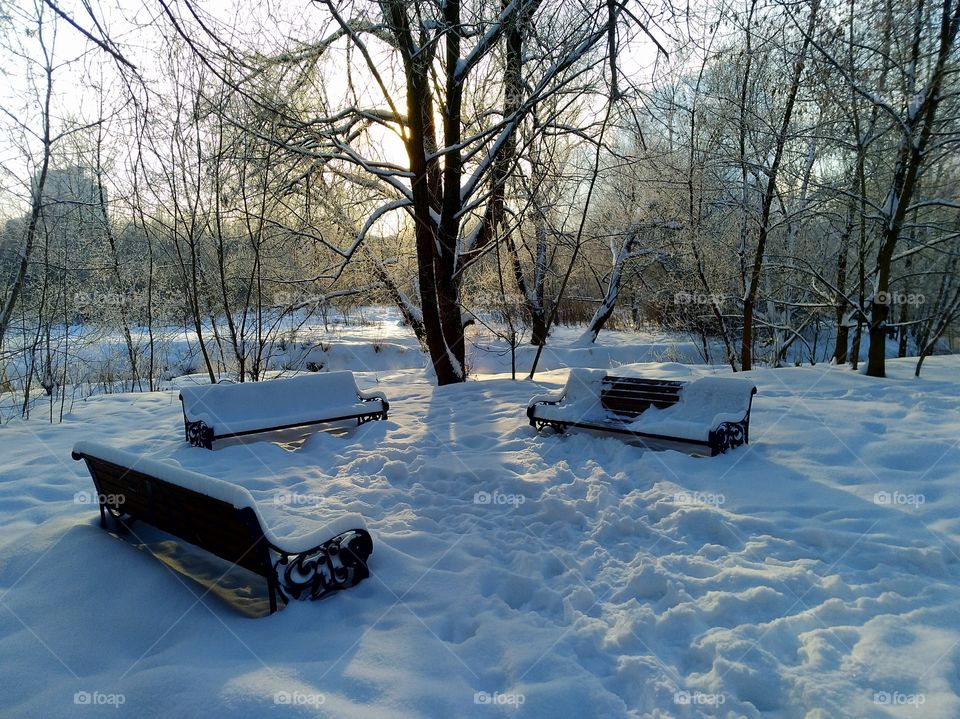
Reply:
x=813, y=573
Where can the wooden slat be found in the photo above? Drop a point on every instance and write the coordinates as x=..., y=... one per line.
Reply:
x=641, y=396
x=642, y=391
x=632, y=409
x=206, y=522
x=632, y=396
x=613, y=379
x=634, y=388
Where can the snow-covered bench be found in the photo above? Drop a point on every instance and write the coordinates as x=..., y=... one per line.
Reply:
x=706, y=416
x=222, y=518
x=217, y=411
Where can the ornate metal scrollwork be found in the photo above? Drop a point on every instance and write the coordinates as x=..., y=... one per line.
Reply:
x=200, y=434
x=728, y=435
x=336, y=564
x=539, y=424
x=371, y=416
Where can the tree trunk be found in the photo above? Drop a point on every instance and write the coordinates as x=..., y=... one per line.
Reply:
x=917, y=130
x=843, y=332
x=749, y=300
x=36, y=207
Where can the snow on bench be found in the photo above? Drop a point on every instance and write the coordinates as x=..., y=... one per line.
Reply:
x=223, y=519
x=217, y=411
x=710, y=414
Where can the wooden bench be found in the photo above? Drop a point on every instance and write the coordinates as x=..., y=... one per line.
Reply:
x=218, y=411
x=222, y=518
x=704, y=416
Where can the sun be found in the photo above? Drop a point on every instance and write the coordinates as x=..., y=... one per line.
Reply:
x=386, y=145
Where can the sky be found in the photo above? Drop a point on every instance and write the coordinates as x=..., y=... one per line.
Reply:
x=81, y=68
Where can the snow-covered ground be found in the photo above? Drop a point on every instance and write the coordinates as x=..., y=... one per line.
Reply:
x=814, y=573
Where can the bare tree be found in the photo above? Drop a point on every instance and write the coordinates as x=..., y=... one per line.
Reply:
x=766, y=206
x=40, y=27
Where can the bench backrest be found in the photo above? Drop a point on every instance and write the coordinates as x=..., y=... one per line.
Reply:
x=128, y=485
x=632, y=396
x=225, y=403
x=717, y=399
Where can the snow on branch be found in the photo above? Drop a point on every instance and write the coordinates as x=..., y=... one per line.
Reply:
x=542, y=88
x=951, y=204
x=487, y=41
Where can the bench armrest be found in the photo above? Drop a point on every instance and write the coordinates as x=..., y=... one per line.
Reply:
x=554, y=398
x=371, y=395
x=337, y=563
